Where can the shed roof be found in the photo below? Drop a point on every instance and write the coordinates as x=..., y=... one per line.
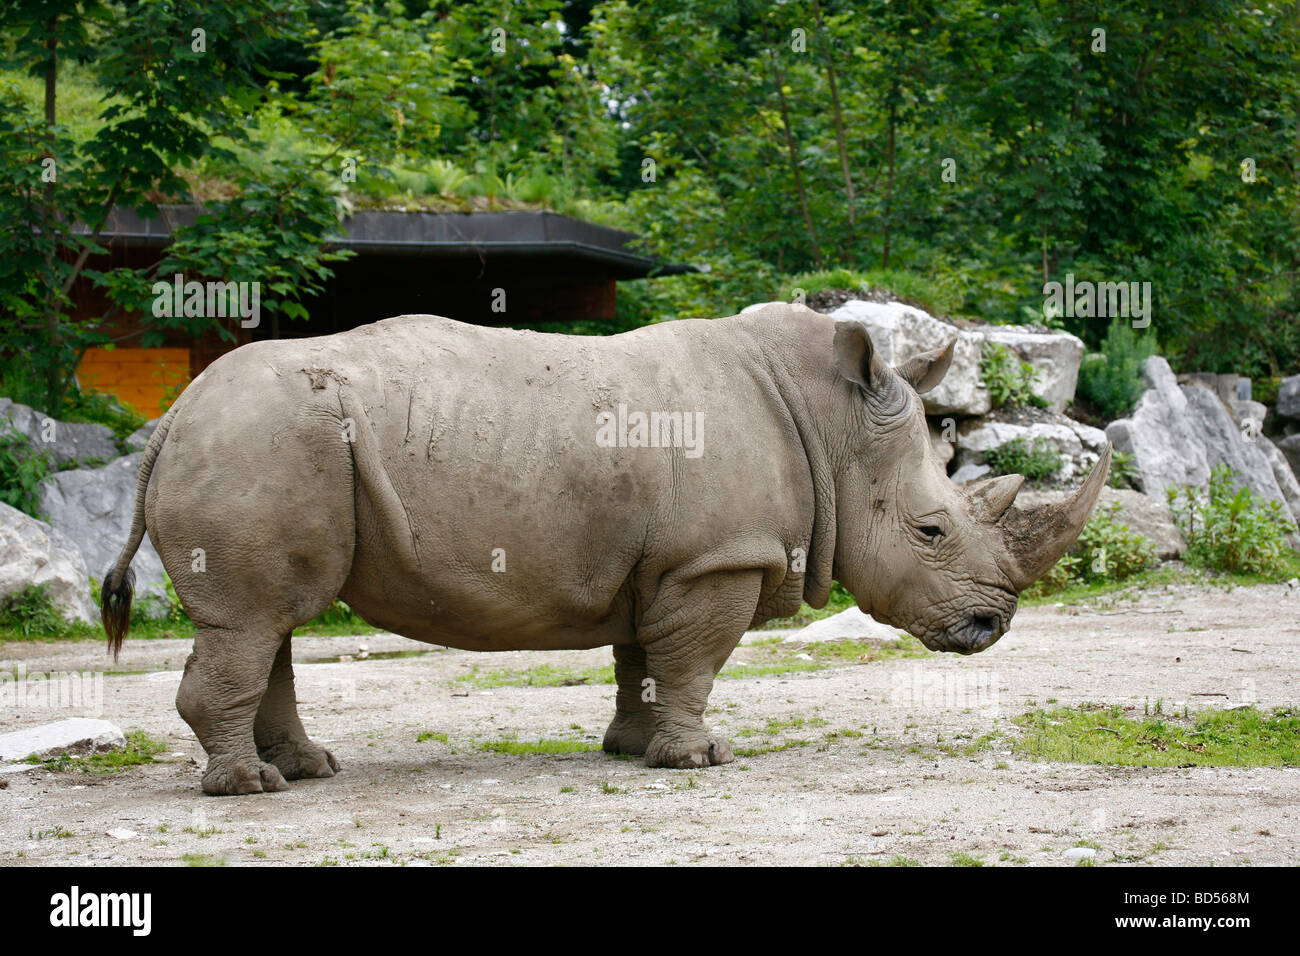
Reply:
x=447, y=235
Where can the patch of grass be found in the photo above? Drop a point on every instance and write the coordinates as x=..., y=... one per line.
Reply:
x=775, y=657
x=543, y=746
x=771, y=747
x=205, y=859
x=543, y=675
x=140, y=748
x=424, y=735
x=1097, y=734
x=965, y=859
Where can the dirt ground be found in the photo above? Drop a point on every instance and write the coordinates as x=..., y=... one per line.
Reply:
x=865, y=763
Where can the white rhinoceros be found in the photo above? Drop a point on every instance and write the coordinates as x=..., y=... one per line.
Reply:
x=660, y=491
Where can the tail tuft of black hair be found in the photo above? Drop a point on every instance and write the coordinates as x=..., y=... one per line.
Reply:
x=115, y=607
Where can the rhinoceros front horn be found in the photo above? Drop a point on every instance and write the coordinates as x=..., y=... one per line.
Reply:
x=1037, y=537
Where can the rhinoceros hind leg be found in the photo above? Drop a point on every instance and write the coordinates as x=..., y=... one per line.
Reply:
x=634, y=721
x=278, y=731
x=219, y=696
x=704, y=622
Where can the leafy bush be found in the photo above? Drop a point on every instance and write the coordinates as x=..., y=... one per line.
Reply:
x=1106, y=551
x=22, y=469
x=152, y=609
x=1111, y=381
x=102, y=408
x=1009, y=380
x=1035, y=460
x=1110, y=551
x=1122, y=471
x=31, y=612
x=1228, y=529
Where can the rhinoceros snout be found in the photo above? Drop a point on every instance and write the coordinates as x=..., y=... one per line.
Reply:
x=975, y=633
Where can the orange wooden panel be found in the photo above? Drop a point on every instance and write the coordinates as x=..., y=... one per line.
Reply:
x=140, y=378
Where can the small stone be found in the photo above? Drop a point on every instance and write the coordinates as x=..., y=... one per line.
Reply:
x=121, y=833
x=76, y=735
x=1077, y=853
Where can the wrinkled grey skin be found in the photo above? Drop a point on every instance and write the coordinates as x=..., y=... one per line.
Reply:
x=390, y=465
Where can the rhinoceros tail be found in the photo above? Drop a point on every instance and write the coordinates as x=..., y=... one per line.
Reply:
x=115, y=608
x=119, y=582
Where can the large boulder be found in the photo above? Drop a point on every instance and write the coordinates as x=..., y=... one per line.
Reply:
x=1160, y=436
x=1079, y=445
x=1054, y=355
x=1178, y=434
x=31, y=552
x=1288, y=398
x=1148, y=516
x=1290, y=447
x=64, y=442
x=1283, y=474
x=139, y=439
x=901, y=331
x=93, y=507
x=1226, y=443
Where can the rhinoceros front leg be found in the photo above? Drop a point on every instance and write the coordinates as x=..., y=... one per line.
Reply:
x=691, y=633
x=278, y=731
x=634, y=720
x=225, y=679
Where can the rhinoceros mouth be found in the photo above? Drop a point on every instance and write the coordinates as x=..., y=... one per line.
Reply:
x=974, y=633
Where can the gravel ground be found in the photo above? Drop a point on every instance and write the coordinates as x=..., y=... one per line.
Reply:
x=866, y=762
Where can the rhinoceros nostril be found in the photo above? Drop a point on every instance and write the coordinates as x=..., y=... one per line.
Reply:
x=982, y=628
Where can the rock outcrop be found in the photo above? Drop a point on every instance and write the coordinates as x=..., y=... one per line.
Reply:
x=32, y=552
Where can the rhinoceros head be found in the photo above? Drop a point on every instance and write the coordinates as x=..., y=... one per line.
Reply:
x=946, y=563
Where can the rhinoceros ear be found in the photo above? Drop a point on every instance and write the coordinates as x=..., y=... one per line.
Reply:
x=923, y=372
x=856, y=356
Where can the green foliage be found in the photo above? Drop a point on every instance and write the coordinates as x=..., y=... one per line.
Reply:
x=22, y=469
x=1122, y=470
x=158, y=611
x=30, y=612
x=1107, y=551
x=1010, y=380
x=1227, y=528
x=102, y=408
x=1037, y=460
x=1111, y=381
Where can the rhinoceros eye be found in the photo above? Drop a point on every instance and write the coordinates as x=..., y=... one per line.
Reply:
x=933, y=532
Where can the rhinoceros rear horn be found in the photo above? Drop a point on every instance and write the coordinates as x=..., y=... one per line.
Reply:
x=1036, y=538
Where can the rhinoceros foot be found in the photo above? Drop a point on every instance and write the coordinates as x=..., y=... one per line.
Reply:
x=229, y=776
x=300, y=759
x=687, y=753
x=629, y=734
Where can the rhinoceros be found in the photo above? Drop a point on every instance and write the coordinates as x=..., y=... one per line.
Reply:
x=660, y=491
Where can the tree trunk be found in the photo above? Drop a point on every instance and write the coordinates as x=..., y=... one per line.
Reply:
x=849, y=194
x=889, y=187
x=794, y=162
